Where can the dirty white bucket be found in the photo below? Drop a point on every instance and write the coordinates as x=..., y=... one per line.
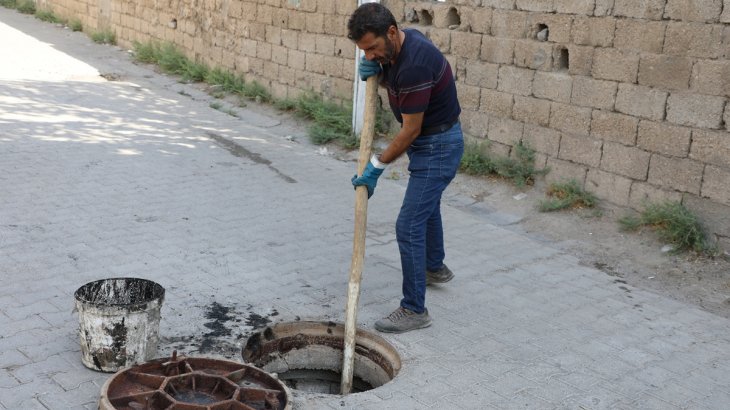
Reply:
x=119, y=322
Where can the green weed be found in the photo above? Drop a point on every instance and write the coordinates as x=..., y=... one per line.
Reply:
x=75, y=25
x=674, y=223
x=26, y=7
x=520, y=168
x=104, y=37
x=567, y=195
x=47, y=16
x=11, y=4
x=216, y=105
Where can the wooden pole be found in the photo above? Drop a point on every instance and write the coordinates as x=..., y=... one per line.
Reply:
x=358, y=245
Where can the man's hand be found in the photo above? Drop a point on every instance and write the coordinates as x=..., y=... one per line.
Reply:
x=369, y=177
x=368, y=68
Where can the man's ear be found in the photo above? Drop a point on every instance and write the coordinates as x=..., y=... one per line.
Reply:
x=392, y=32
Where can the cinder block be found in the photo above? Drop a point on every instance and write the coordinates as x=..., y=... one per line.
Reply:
x=479, y=19
x=630, y=162
x=641, y=101
x=263, y=50
x=442, y=15
x=515, y=80
x=643, y=194
x=297, y=20
x=344, y=47
x=535, y=5
x=679, y=174
x=640, y=35
x=603, y=8
x=693, y=10
x=248, y=47
x=509, y=24
x=314, y=22
x=552, y=86
x=594, y=31
x=611, y=126
x=468, y=96
x=324, y=6
x=558, y=26
x=694, y=40
x=725, y=16
x=346, y=8
x=588, y=92
x=584, y=7
x=498, y=50
x=580, y=60
x=664, y=138
x=335, y=25
x=333, y=66
x=571, y=119
x=280, y=18
x=614, y=64
x=715, y=184
x=665, y=72
x=290, y=39
x=279, y=55
x=504, y=130
x=271, y=70
x=481, y=74
x=264, y=14
x=499, y=4
x=541, y=139
x=715, y=216
x=562, y=171
x=711, y=77
x=609, y=187
x=257, y=31
x=440, y=38
x=495, y=102
x=640, y=9
x=314, y=63
x=466, y=44
x=477, y=123
x=296, y=59
x=531, y=110
x=695, y=110
x=711, y=147
x=533, y=54
x=273, y=35
x=583, y=150
x=307, y=42
x=497, y=149
x=325, y=44
x=726, y=117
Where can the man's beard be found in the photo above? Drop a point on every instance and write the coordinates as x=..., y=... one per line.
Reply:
x=389, y=54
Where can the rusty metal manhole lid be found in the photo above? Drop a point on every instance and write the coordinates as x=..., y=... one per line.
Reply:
x=194, y=383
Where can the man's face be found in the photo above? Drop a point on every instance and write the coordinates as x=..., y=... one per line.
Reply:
x=380, y=49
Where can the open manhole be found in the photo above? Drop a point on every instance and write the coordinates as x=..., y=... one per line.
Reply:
x=307, y=356
x=194, y=384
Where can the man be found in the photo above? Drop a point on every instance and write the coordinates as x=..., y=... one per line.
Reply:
x=422, y=96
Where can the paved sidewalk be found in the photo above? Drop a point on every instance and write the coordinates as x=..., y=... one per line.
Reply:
x=139, y=177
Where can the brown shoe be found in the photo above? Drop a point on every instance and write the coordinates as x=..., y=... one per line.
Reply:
x=442, y=275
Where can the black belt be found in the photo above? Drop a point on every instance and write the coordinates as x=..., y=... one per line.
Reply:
x=437, y=129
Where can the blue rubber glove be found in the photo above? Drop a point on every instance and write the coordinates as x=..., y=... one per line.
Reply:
x=368, y=68
x=369, y=178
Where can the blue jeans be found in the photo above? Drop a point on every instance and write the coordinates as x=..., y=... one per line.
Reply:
x=434, y=160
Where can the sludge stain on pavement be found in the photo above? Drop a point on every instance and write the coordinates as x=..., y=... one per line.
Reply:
x=221, y=323
x=241, y=152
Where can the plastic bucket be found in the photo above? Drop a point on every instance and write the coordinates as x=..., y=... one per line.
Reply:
x=119, y=322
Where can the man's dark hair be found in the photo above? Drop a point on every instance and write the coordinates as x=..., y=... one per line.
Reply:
x=370, y=18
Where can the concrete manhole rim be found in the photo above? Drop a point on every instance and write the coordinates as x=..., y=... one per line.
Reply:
x=282, y=348
x=251, y=382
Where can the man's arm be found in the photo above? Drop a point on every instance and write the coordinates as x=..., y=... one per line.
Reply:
x=410, y=130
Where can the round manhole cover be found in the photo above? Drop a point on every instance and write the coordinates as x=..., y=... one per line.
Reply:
x=192, y=384
x=307, y=356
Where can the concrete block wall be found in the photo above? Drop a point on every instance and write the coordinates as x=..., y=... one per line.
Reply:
x=629, y=97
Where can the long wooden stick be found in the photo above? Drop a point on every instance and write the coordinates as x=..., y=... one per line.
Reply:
x=358, y=245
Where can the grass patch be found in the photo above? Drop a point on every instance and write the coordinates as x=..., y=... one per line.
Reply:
x=331, y=122
x=104, y=37
x=26, y=7
x=75, y=25
x=11, y=4
x=520, y=168
x=566, y=195
x=674, y=223
x=47, y=16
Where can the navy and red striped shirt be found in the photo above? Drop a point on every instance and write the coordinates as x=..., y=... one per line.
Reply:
x=421, y=81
